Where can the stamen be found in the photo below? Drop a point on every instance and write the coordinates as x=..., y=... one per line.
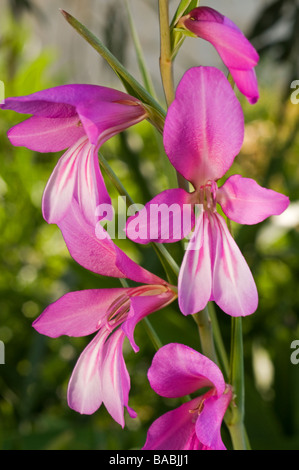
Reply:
x=207, y=196
x=118, y=310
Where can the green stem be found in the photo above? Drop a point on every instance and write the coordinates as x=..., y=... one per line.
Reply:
x=205, y=330
x=166, y=68
x=235, y=420
x=220, y=347
x=165, y=53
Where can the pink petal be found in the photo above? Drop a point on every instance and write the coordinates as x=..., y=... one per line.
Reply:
x=178, y=370
x=233, y=47
x=234, y=289
x=46, y=134
x=246, y=202
x=100, y=255
x=115, y=379
x=208, y=424
x=144, y=305
x=204, y=126
x=90, y=191
x=195, y=277
x=77, y=313
x=175, y=430
x=106, y=119
x=77, y=174
x=61, y=101
x=247, y=83
x=168, y=217
x=60, y=188
x=85, y=385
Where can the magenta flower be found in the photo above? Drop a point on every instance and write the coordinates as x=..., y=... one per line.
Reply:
x=176, y=371
x=235, y=50
x=79, y=118
x=203, y=133
x=100, y=375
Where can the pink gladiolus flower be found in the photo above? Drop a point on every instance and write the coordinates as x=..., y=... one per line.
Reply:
x=235, y=50
x=79, y=118
x=203, y=133
x=176, y=371
x=100, y=375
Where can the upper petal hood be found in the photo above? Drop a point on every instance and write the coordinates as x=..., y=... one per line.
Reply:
x=234, y=49
x=62, y=101
x=231, y=44
x=204, y=126
x=100, y=111
x=178, y=370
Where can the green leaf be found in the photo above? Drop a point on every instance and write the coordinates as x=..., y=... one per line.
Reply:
x=132, y=86
x=177, y=35
x=139, y=53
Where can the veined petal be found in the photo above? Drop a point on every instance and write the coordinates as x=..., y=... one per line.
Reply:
x=204, y=126
x=43, y=134
x=115, y=379
x=175, y=430
x=178, y=370
x=85, y=385
x=168, y=217
x=208, y=424
x=234, y=289
x=195, y=277
x=77, y=313
x=100, y=255
x=231, y=44
x=246, y=202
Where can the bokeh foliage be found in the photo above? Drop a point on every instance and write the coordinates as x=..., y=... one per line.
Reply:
x=36, y=269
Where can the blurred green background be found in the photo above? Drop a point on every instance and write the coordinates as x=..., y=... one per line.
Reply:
x=36, y=268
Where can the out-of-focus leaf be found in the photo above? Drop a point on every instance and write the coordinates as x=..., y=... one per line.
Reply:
x=133, y=87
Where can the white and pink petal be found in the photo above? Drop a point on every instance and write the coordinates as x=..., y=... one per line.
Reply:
x=233, y=289
x=195, y=276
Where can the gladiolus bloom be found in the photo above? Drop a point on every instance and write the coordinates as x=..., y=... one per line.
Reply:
x=176, y=371
x=235, y=50
x=203, y=132
x=79, y=118
x=100, y=375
